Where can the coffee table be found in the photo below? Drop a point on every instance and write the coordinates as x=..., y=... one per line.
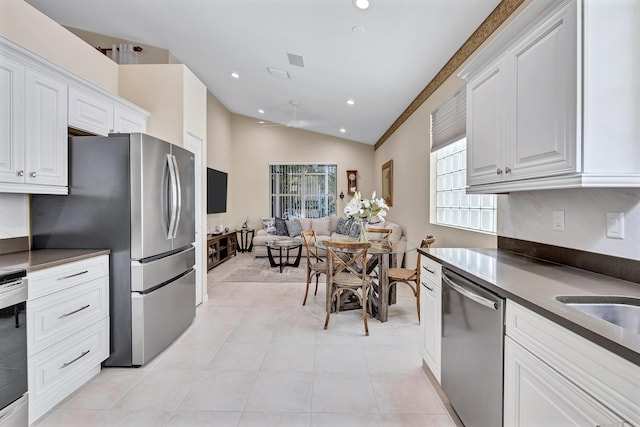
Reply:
x=283, y=258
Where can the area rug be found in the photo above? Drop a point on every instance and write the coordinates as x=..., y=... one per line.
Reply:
x=259, y=270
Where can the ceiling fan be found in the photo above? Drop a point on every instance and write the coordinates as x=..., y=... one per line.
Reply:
x=293, y=123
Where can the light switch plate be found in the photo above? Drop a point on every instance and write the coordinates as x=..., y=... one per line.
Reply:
x=615, y=225
x=558, y=220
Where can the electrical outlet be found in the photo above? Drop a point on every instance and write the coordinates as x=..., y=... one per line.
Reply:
x=558, y=220
x=615, y=225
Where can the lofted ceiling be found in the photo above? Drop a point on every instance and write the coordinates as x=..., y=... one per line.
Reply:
x=381, y=58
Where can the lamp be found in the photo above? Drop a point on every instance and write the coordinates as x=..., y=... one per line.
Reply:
x=361, y=4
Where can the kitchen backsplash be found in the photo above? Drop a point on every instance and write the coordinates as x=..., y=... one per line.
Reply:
x=14, y=215
x=528, y=216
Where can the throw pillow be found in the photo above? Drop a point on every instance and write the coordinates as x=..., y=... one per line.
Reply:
x=269, y=225
x=294, y=227
x=344, y=226
x=281, y=227
x=355, y=229
x=322, y=226
x=305, y=223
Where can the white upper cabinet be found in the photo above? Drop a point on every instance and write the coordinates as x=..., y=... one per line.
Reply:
x=95, y=111
x=89, y=112
x=38, y=102
x=546, y=104
x=11, y=120
x=45, y=130
x=33, y=128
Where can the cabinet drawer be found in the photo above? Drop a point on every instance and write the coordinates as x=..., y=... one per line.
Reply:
x=49, y=280
x=59, y=370
x=430, y=270
x=59, y=315
x=607, y=377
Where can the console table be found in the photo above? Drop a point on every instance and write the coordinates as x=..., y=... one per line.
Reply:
x=220, y=247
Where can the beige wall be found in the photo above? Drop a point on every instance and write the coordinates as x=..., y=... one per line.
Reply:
x=255, y=147
x=31, y=29
x=219, y=155
x=409, y=148
x=160, y=90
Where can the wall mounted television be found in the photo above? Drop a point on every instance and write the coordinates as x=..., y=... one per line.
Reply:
x=216, y=191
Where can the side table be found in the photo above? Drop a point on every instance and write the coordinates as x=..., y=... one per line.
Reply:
x=245, y=239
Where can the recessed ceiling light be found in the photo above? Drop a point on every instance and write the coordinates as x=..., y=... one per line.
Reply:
x=261, y=122
x=261, y=111
x=235, y=75
x=343, y=130
x=358, y=30
x=350, y=102
x=361, y=4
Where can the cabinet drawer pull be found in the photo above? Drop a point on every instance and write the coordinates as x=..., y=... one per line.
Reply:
x=507, y=170
x=73, y=312
x=73, y=275
x=33, y=174
x=430, y=271
x=425, y=285
x=83, y=354
x=20, y=173
x=499, y=171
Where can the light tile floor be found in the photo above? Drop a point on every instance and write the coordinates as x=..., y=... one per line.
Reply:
x=254, y=356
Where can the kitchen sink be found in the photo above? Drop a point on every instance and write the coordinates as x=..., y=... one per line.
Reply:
x=621, y=311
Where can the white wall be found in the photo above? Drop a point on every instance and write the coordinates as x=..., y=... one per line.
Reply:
x=527, y=216
x=14, y=215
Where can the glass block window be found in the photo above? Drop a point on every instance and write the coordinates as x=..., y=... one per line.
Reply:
x=307, y=191
x=453, y=206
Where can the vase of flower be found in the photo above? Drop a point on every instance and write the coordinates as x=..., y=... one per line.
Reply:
x=364, y=209
x=363, y=229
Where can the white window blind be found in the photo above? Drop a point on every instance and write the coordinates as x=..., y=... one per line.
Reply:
x=307, y=191
x=449, y=121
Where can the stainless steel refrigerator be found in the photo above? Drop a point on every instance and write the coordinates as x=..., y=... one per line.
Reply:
x=133, y=194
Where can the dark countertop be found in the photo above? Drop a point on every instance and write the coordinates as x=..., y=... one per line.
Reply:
x=534, y=283
x=45, y=258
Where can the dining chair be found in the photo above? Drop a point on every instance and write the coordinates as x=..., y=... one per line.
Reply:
x=315, y=264
x=385, y=233
x=347, y=276
x=410, y=276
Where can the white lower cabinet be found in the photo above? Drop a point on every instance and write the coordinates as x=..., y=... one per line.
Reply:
x=430, y=314
x=537, y=395
x=554, y=377
x=67, y=329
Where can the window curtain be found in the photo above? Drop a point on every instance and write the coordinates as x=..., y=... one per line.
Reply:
x=449, y=121
x=307, y=191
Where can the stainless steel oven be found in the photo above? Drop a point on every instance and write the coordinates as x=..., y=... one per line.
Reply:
x=13, y=348
x=472, y=350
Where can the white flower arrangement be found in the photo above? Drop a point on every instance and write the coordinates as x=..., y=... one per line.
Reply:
x=365, y=209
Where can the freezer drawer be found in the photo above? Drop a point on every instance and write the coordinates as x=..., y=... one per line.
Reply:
x=146, y=275
x=159, y=317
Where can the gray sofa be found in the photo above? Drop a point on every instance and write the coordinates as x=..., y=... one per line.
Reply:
x=326, y=229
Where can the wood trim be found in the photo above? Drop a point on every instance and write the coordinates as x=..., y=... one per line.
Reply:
x=496, y=18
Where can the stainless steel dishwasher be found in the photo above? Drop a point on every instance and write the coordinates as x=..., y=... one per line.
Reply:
x=472, y=350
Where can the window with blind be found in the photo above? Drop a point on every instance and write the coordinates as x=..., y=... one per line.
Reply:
x=454, y=207
x=307, y=190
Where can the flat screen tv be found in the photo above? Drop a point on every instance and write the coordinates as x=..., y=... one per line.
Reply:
x=216, y=191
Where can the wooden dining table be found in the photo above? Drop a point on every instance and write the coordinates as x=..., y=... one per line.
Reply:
x=383, y=255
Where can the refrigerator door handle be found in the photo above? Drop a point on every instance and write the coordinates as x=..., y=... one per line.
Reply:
x=178, y=196
x=174, y=195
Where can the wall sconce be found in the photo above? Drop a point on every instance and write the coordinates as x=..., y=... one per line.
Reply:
x=342, y=195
